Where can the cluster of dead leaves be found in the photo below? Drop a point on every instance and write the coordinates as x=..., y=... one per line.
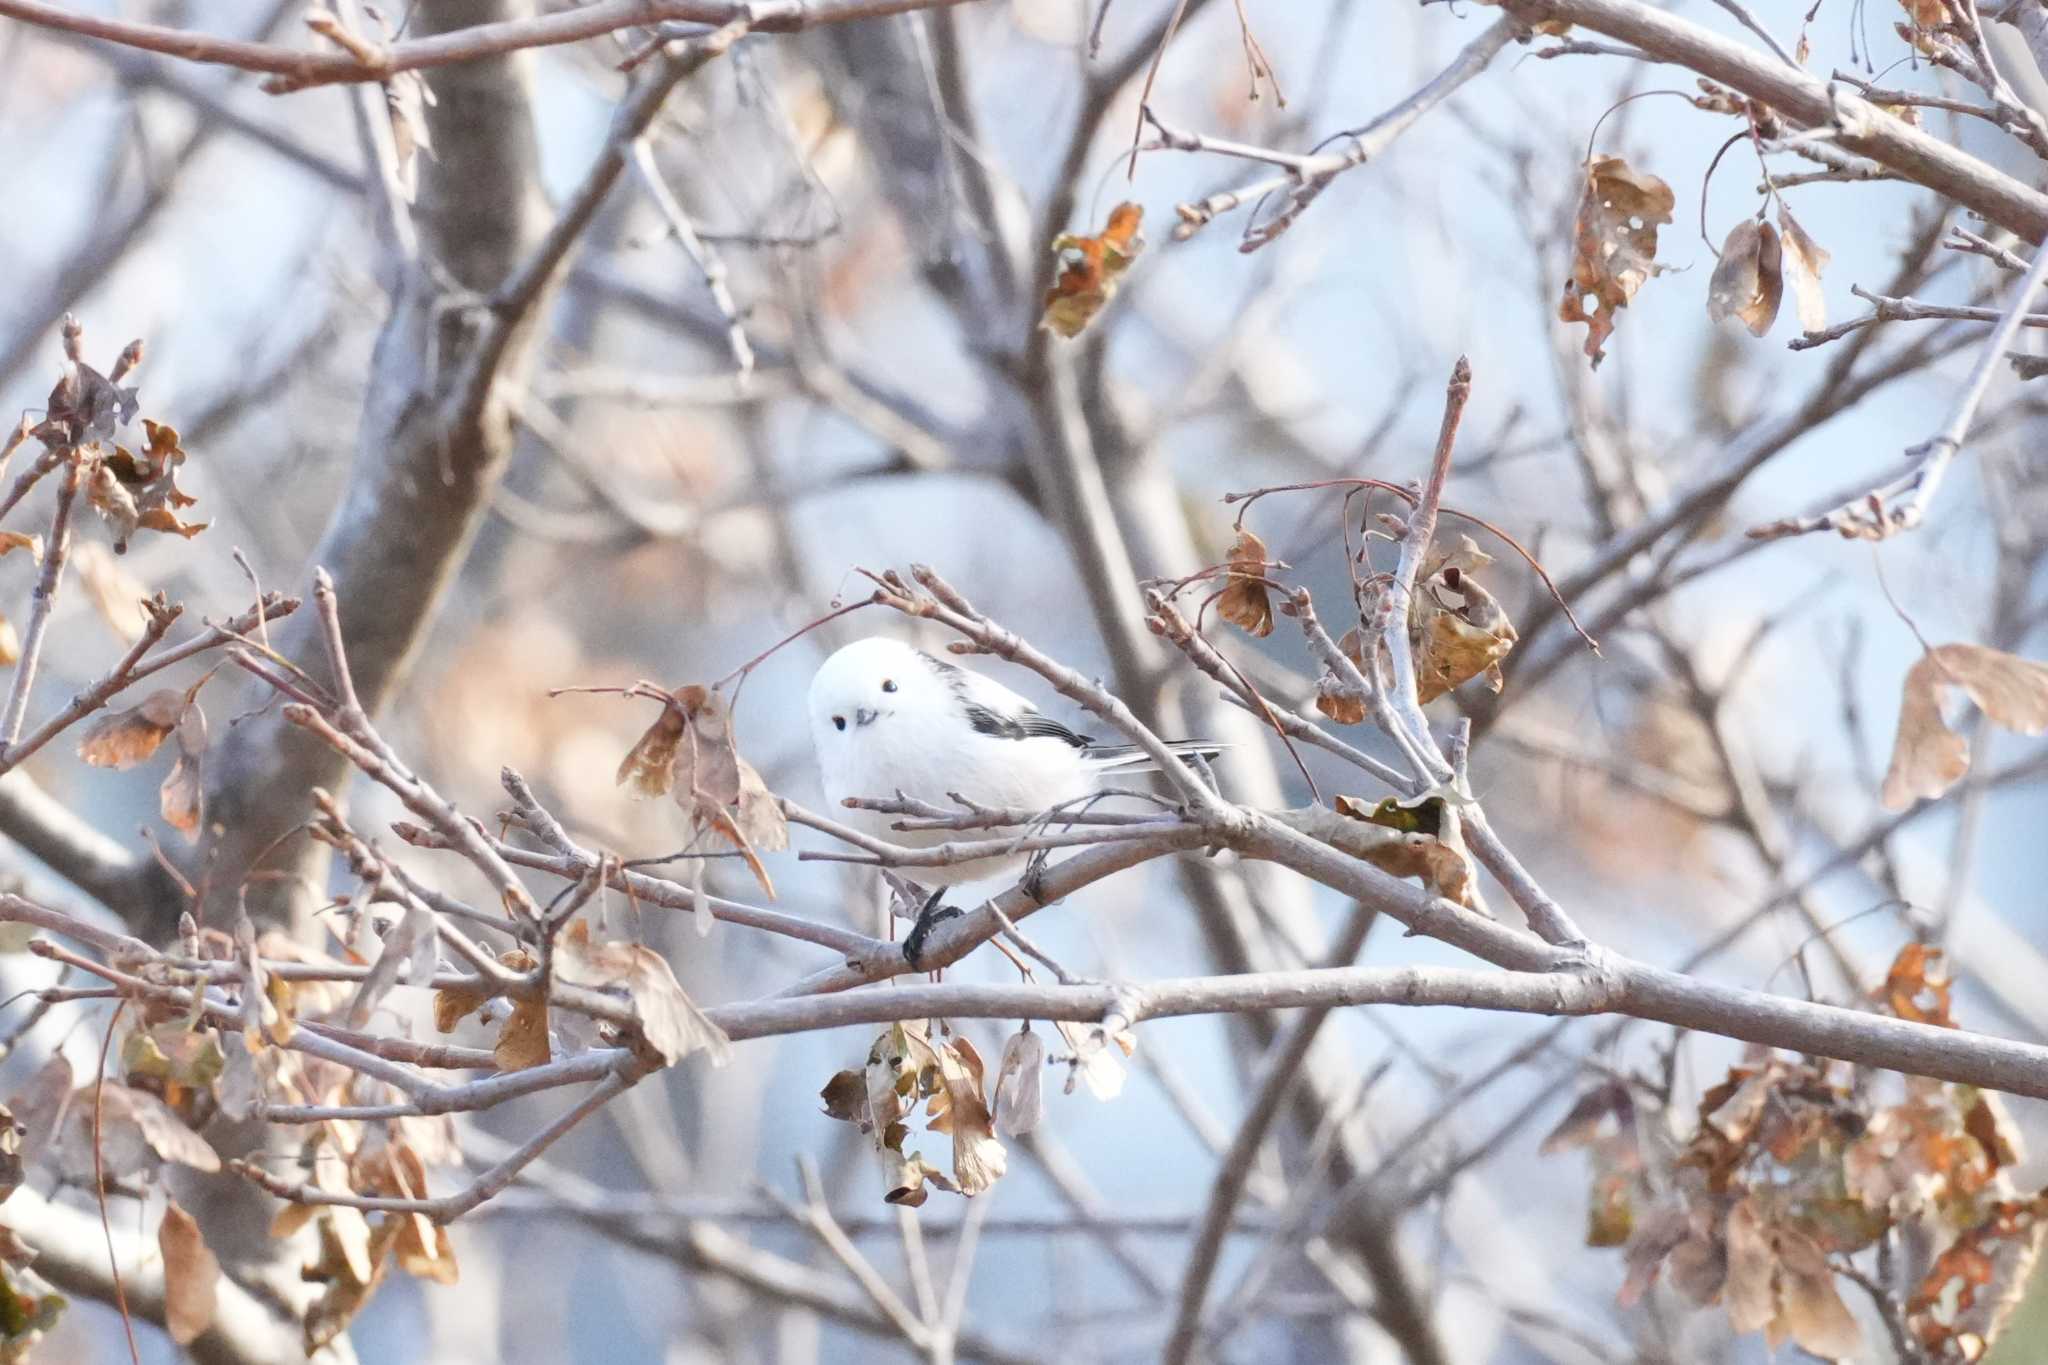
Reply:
x=1457, y=629
x=1791, y=1167
x=122, y=739
x=668, y=1026
x=689, y=754
x=130, y=489
x=1090, y=269
x=1749, y=280
x=355, y=1250
x=1927, y=756
x=1614, y=249
x=908, y=1065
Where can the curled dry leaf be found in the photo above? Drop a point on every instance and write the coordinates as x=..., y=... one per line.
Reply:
x=1927, y=756
x=84, y=407
x=1916, y=989
x=1779, y=1283
x=1244, y=602
x=876, y=1099
x=1749, y=280
x=958, y=1110
x=122, y=739
x=1614, y=246
x=191, y=1276
x=182, y=798
x=671, y=1024
x=1425, y=839
x=688, y=753
x=523, y=1041
x=1090, y=269
x=139, y=490
x=1969, y=1293
x=1804, y=260
x=128, y=1113
x=1459, y=631
x=11, y=541
x=1020, y=1084
x=351, y=1266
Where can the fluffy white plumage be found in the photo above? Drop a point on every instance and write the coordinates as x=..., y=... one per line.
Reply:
x=888, y=718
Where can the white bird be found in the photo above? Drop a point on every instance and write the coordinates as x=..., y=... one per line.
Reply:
x=888, y=718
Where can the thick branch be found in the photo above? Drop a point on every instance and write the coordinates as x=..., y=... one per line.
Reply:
x=295, y=69
x=1858, y=125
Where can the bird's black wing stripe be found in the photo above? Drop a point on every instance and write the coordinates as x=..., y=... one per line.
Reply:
x=1030, y=725
x=1033, y=724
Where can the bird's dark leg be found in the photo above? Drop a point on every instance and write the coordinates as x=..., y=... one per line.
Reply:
x=1034, y=876
x=930, y=917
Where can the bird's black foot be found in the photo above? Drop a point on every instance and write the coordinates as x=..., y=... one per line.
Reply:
x=929, y=918
x=1034, y=877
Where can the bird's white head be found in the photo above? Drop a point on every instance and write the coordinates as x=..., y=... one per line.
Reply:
x=870, y=687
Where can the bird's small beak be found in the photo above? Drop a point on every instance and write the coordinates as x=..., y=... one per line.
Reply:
x=865, y=715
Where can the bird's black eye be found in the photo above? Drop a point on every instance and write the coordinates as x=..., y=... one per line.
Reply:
x=839, y=722
x=888, y=684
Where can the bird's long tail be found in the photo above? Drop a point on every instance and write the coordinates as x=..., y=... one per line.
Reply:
x=1129, y=758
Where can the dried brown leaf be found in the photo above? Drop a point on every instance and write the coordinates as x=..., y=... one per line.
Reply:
x=1915, y=989
x=1810, y=1308
x=1752, y=1270
x=1458, y=630
x=191, y=1276
x=648, y=769
x=846, y=1098
x=1927, y=756
x=182, y=797
x=1967, y=1297
x=1749, y=281
x=1600, y=1110
x=162, y=1130
x=1244, y=601
x=1614, y=246
x=1424, y=840
x=122, y=739
x=1090, y=269
x=18, y=540
x=958, y=1110
x=350, y=1281
x=523, y=1042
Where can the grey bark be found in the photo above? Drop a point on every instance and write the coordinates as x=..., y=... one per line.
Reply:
x=423, y=467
